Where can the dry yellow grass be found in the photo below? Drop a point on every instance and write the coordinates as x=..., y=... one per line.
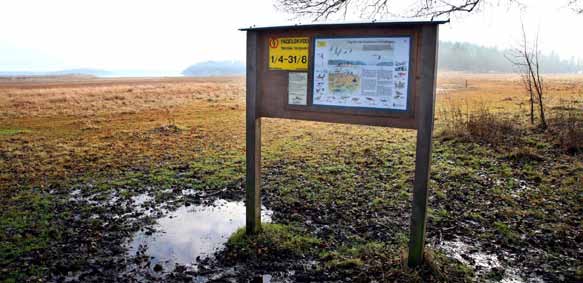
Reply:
x=504, y=92
x=103, y=97
x=52, y=131
x=64, y=122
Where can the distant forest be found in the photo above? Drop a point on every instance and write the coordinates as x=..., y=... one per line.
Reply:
x=453, y=56
x=467, y=57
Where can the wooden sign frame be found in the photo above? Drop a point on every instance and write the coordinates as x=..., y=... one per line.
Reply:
x=267, y=96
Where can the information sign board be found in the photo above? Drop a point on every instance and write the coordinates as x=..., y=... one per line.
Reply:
x=365, y=72
x=376, y=74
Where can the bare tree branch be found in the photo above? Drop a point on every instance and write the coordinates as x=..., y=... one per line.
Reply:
x=517, y=58
x=372, y=9
x=576, y=6
x=437, y=8
x=316, y=9
x=526, y=59
x=324, y=9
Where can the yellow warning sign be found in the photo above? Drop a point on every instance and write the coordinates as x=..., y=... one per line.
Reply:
x=289, y=53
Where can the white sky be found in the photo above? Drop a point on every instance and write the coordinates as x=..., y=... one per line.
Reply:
x=173, y=34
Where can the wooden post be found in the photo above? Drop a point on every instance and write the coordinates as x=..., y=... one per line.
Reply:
x=253, y=141
x=424, y=114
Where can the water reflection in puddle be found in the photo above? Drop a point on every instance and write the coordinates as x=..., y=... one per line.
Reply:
x=192, y=232
x=139, y=200
x=482, y=262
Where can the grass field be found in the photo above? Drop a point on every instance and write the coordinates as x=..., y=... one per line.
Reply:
x=75, y=153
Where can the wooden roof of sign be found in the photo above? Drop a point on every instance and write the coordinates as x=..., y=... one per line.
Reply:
x=347, y=25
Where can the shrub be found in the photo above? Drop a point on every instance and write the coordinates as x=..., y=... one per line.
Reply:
x=566, y=128
x=481, y=126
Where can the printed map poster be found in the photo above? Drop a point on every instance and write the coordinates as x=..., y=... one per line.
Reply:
x=367, y=72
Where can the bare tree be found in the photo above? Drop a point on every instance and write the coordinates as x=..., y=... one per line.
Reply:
x=526, y=59
x=372, y=9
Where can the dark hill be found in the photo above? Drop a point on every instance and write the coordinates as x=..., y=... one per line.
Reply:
x=215, y=68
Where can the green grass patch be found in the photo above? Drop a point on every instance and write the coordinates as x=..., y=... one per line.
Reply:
x=10, y=132
x=25, y=228
x=506, y=231
x=354, y=256
x=273, y=240
x=218, y=170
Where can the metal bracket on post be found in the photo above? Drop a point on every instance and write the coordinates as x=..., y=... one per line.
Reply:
x=253, y=141
x=425, y=115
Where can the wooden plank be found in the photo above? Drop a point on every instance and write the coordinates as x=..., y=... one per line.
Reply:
x=425, y=114
x=253, y=141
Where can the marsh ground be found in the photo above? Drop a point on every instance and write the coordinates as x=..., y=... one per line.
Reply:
x=85, y=164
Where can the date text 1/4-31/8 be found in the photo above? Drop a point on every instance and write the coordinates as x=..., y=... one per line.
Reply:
x=289, y=59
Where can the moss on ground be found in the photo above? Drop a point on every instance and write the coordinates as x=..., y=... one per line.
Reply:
x=273, y=240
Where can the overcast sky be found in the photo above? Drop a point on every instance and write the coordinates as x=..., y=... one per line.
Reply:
x=170, y=35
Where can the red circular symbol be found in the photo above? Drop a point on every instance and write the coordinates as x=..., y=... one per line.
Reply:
x=273, y=42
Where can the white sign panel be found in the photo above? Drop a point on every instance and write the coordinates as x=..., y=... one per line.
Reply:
x=366, y=72
x=297, y=90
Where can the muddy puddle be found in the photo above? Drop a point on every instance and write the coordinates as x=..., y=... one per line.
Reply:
x=487, y=267
x=190, y=233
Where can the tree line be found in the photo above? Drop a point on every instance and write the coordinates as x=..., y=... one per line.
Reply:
x=468, y=57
